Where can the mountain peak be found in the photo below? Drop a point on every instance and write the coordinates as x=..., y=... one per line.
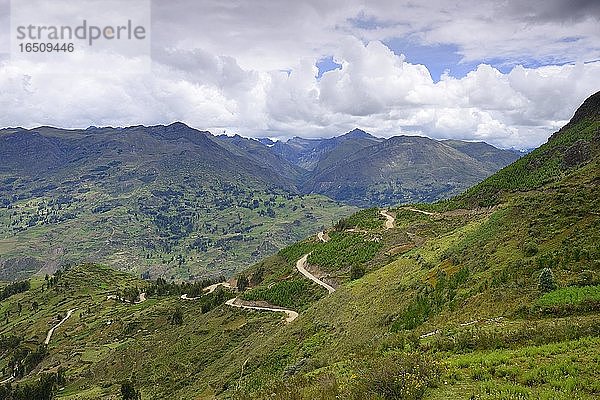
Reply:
x=590, y=109
x=178, y=125
x=358, y=134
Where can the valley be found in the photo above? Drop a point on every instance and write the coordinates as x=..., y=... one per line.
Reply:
x=489, y=294
x=175, y=202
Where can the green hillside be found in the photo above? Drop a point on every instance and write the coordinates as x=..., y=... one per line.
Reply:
x=164, y=201
x=491, y=295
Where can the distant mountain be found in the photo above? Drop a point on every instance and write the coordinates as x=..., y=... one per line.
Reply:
x=407, y=169
x=260, y=153
x=170, y=200
x=363, y=170
x=494, y=158
x=311, y=154
x=178, y=202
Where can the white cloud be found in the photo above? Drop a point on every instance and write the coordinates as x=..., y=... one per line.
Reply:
x=249, y=67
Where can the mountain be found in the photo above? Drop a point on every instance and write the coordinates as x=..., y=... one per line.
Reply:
x=494, y=293
x=312, y=153
x=493, y=158
x=177, y=202
x=362, y=170
x=164, y=200
x=260, y=152
x=405, y=169
x=575, y=144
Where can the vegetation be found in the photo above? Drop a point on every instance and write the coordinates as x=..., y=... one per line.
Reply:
x=177, y=316
x=571, y=296
x=295, y=294
x=546, y=282
x=161, y=287
x=14, y=288
x=129, y=392
x=344, y=250
x=43, y=388
x=368, y=219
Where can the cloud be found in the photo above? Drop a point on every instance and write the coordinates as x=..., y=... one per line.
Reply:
x=250, y=67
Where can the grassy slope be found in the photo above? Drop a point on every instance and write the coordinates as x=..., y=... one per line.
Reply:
x=204, y=356
x=131, y=241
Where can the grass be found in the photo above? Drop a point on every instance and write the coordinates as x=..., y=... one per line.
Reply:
x=572, y=295
x=343, y=250
x=296, y=294
x=559, y=370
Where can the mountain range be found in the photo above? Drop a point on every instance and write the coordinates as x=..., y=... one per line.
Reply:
x=363, y=170
x=181, y=203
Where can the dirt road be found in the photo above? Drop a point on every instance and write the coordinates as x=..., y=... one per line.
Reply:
x=389, y=219
x=301, y=267
x=212, y=288
x=418, y=211
x=290, y=315
x=51, y=331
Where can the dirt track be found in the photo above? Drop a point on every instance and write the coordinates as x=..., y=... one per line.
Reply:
x=51, y=331
x=291, y=315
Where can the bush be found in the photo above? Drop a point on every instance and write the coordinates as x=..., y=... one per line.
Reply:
x=242, y=283
x=397, y=376
x=356, y=271
x=129, y=392
x=14, y=288
x=546, y=282
x=177, y=317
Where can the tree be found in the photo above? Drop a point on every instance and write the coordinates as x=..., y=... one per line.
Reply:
x=242, y=283
x=129, y=392
x=177, y=317
x=356, y=271
x=546, y=282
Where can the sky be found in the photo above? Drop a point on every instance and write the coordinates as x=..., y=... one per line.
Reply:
x=509, y=73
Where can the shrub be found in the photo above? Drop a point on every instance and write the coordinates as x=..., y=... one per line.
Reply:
x=129, y=392
x=546, y=282
x=397, y=376
x=177, y=317
x=356, y=271
x=242, y=283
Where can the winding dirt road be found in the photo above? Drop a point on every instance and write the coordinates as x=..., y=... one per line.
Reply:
x=301, y=267
x=51, y=331
x=418, y=211
x=321, y=237
x=291, y=315
x=212, y=288
x=389, y=219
